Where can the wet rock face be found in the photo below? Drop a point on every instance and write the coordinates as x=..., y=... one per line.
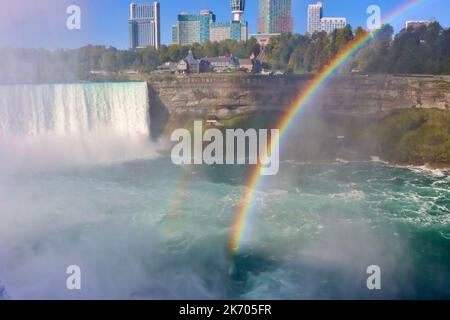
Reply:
x=355, y=94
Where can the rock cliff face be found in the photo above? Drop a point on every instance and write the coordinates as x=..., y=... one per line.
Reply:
x=227, y=96
x=402, y=119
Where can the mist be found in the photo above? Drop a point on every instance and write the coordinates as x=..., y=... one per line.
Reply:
x=38, y=65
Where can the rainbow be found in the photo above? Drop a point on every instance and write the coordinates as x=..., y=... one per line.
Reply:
x=255, y=179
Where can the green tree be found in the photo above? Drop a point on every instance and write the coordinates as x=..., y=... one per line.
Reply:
x=197, y=50
x=211, y=49
x=177, y=52
x=150, y=59
x=109, y=61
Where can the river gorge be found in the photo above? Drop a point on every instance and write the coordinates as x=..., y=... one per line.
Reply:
x=85, y=180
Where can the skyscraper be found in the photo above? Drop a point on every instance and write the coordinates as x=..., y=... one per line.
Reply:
x=317, y=23
x=144, y=26
x=193, y=28
x=315, y=14
x=275, y=16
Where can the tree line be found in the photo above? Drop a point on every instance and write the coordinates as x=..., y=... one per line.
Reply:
x=421, y=50
x=148, y=59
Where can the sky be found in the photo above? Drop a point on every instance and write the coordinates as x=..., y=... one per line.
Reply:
x=42, y=23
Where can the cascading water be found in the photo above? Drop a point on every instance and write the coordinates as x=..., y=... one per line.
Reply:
x=64, y=124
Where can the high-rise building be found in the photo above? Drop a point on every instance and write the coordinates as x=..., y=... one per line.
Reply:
x=275, y=16
x=144, y=26
x=317, y=23
x=234, y=30
x=193, y=28
x=175, y=34
x=315, y=14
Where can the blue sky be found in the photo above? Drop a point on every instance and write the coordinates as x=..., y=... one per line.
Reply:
x=42, y=23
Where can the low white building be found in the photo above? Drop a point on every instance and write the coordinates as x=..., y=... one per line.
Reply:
x=417, y=23
x=318, y=23
x=330, y=24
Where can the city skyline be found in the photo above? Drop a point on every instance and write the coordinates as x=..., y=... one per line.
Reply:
x=44, y=26
x=203, y=26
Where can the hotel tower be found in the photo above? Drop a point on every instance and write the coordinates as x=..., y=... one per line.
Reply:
x=144, y=26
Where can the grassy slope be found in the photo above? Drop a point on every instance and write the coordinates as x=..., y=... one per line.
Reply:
x=413, y=136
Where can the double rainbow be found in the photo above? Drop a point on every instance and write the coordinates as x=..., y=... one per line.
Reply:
x=244, y=210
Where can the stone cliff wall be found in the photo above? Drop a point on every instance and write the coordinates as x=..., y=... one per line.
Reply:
x=402, y=119
x=228, y=95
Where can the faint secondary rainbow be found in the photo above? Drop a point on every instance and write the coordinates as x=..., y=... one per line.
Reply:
x=245, y=208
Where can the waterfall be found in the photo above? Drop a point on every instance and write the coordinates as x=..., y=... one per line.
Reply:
x=73, y=124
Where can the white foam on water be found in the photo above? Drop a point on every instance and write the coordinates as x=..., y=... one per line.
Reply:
x=347, y=196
